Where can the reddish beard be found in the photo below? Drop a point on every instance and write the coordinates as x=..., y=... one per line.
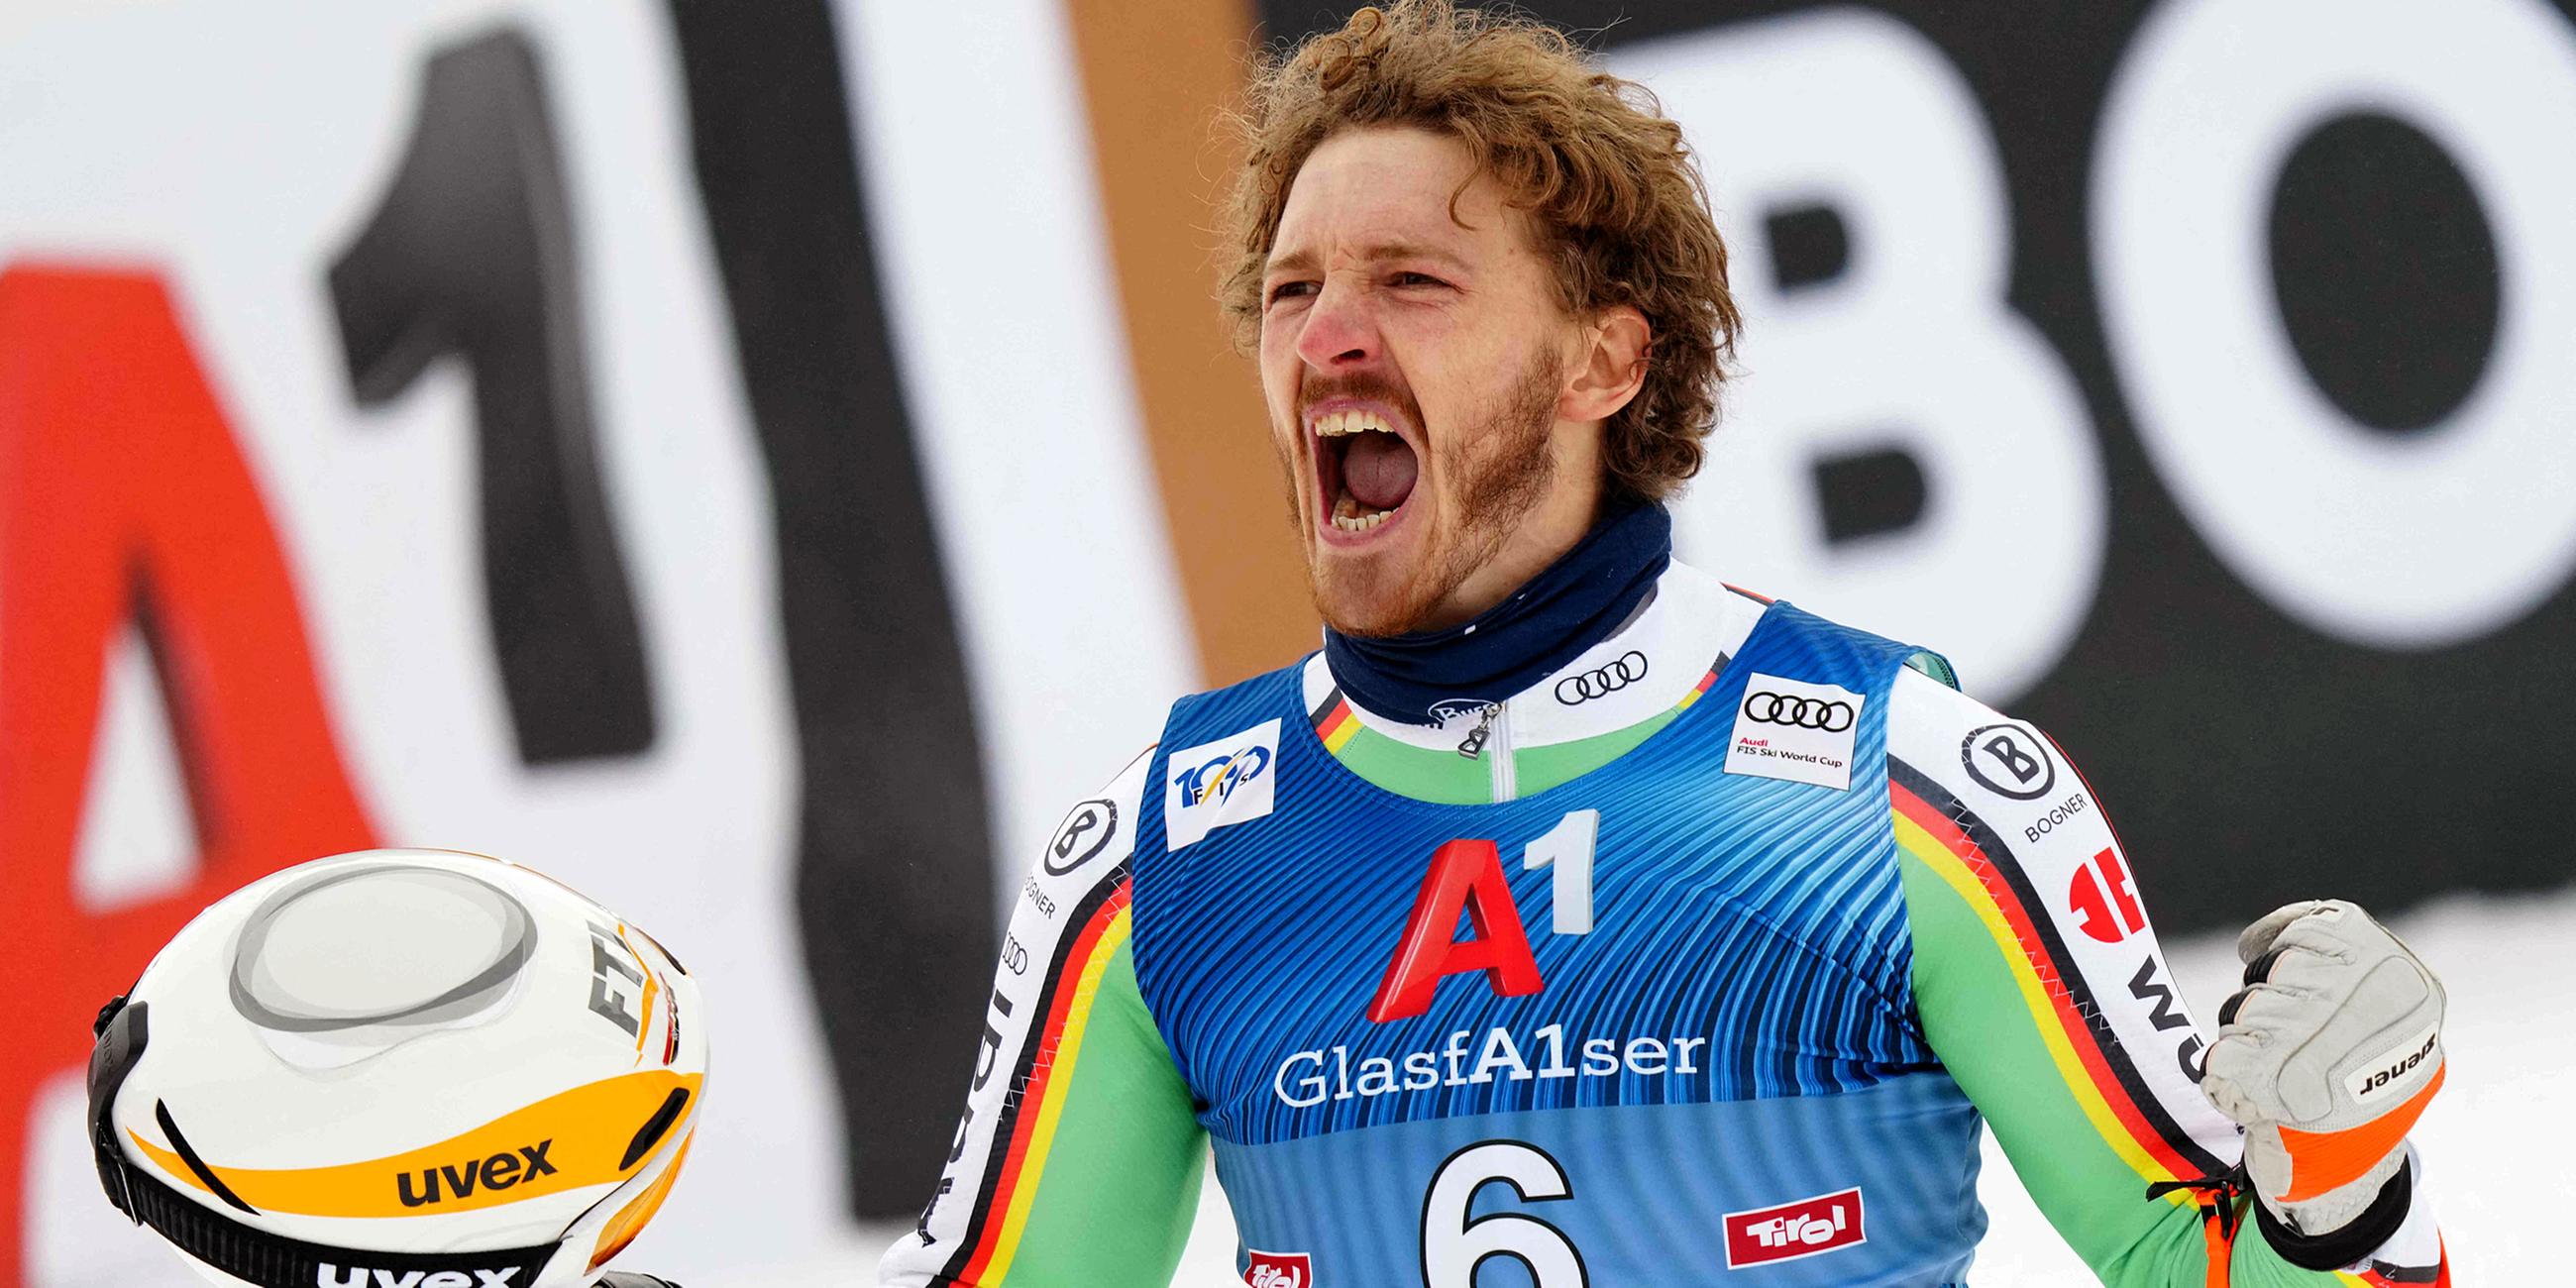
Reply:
x=1502, y=468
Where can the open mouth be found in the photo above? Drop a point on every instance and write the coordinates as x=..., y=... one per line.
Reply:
x=1365, y=468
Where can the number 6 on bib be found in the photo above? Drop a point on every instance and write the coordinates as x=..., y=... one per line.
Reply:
x=1454, y=1243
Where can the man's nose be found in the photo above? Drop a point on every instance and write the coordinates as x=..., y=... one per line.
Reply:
x=1339, y=333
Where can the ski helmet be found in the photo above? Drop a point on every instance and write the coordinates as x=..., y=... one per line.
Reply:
x=415, y=1067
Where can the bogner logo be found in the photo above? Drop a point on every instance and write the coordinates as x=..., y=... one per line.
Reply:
x=2009, y=759
x=501, y=1171
x=2391, y=1067
x=331, y=1276
x=1083, y=834
x=1792, y=1230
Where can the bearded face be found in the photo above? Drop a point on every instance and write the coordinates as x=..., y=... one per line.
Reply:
x=1495, y=461
x=1417, y=368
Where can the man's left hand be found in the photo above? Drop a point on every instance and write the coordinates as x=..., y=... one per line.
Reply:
x=2327, y=1056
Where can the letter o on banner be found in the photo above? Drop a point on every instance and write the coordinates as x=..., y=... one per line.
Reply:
x=2416, y=542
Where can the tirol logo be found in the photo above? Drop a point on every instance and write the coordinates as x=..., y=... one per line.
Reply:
x=1805, y=1228
x=1278, y=1269
x=1795, y=730
x=327, y=1275
x=2100, y=893
x=501, y=1171
x=1083, y=834
x=1213, y=784
x=2009, y=759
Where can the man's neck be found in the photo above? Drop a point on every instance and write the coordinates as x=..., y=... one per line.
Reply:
x=1609, y=697
x=1546, y=535
x=1543, y=622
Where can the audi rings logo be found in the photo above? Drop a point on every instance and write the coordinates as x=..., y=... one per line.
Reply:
x=1805, y=713
x=1617, y=674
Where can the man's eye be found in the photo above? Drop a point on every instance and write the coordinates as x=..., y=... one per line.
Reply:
x=1418, y=279
x=1289, y=290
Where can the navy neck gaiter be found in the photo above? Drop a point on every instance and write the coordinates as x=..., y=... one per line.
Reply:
x=1572, y=605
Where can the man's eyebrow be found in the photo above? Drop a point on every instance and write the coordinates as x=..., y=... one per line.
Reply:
x=1303, y=261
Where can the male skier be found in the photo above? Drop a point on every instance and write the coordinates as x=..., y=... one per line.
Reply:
x=1573, y=918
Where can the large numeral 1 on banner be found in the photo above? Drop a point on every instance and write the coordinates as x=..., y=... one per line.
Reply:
x=471, y=254
x=122, y=491
x=894, y=872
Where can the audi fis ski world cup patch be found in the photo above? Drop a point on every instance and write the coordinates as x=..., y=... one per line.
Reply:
x=1796, y=731
x=1215, y=783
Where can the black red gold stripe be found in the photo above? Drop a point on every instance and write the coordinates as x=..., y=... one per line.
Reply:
x=2000, y=883
x=1041, y=1079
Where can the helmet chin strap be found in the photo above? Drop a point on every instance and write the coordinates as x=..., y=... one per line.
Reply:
x=242, y=1251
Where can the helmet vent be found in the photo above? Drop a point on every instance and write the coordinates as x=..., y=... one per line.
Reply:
x=358, y=952
x=655, y=1127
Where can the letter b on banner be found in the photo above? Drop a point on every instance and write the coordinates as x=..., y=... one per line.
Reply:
x=1898, y=368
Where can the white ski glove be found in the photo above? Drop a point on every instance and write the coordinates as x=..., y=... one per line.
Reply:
x=2327, y=1057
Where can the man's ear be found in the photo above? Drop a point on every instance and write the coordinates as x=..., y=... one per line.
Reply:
x=1610, y=369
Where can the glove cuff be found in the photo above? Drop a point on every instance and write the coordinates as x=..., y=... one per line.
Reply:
x=2354, y=1239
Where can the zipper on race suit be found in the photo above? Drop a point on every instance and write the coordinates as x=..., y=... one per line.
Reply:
x=1499, y=746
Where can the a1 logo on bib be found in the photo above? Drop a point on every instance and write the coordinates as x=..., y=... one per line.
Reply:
x=1231, y=780
x=1794, y=730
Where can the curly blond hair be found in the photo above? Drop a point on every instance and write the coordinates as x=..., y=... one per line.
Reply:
x=1607, y=180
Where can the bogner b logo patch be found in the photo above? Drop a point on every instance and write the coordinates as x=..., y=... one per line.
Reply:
x=1794, y=730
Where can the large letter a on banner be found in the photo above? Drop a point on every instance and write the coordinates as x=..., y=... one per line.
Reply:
x=123, y=494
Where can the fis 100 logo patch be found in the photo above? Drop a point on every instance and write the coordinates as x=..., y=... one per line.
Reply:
x=1217, y=783
x=1220, y=776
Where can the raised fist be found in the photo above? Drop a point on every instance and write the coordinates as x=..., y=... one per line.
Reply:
x=2327, y=1056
